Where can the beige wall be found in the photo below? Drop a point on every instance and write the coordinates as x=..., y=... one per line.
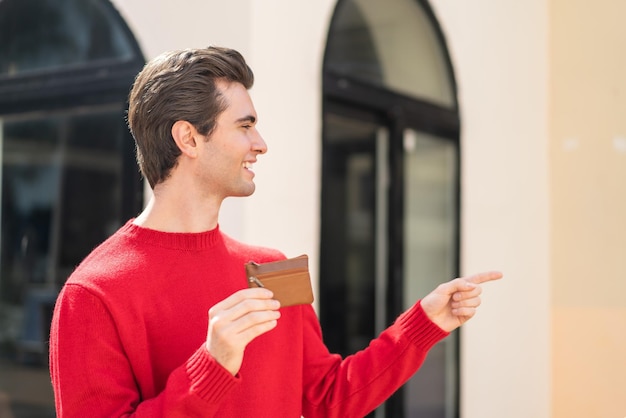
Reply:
x=588, y=182
x=499, y=51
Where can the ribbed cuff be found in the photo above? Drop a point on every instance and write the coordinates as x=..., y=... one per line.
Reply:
x=419, y=329
x=209, y=380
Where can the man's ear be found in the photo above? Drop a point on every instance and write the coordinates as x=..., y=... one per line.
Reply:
x=184, y=134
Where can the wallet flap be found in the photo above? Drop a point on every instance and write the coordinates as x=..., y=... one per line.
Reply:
x=255, y=269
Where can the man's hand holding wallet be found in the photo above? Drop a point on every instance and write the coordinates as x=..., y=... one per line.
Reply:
x=248, y=313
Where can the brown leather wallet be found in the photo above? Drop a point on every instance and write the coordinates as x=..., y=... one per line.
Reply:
x=288, y=279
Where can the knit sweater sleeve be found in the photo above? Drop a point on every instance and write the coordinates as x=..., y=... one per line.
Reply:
x=92, y=376
x=356, y=385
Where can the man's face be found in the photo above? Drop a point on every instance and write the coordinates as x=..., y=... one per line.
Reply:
x=232, y=148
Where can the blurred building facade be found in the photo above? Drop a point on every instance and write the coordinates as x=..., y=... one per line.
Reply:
x=409, y=142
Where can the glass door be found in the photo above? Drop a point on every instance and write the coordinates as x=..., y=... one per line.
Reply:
x=389, y=236
x=430, y=258
x=353, y=257
x=68, y=180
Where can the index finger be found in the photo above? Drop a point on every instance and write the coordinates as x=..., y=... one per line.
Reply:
x=240, y=295
x=483, y=277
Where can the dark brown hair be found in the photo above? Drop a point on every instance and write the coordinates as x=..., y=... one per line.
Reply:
x=179, y=85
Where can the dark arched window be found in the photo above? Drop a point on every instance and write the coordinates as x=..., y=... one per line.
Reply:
x=63, y=53
x=390, y=185
x=68, y=175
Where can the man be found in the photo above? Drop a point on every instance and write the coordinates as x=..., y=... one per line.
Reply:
x=158, y=320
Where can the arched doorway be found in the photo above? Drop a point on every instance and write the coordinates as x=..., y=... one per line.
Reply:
x=68, y=175
x=390, y=185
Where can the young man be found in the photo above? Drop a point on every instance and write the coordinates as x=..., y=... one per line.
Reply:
x=158, y=320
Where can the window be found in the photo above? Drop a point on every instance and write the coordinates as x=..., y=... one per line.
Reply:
x=68, y=178
x=390, y=186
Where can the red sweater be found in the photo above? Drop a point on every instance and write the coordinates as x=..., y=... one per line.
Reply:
x=130, y=324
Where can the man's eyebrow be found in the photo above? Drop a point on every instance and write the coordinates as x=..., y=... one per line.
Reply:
x=248, y=118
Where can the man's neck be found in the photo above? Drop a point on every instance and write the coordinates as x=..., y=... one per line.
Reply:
x=172, y=210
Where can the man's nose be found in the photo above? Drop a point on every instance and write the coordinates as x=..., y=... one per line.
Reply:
x=259, y=144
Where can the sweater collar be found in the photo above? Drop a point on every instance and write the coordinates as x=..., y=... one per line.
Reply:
x=174, y=240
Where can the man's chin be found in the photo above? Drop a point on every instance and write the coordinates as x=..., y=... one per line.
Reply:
x=245, y=192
